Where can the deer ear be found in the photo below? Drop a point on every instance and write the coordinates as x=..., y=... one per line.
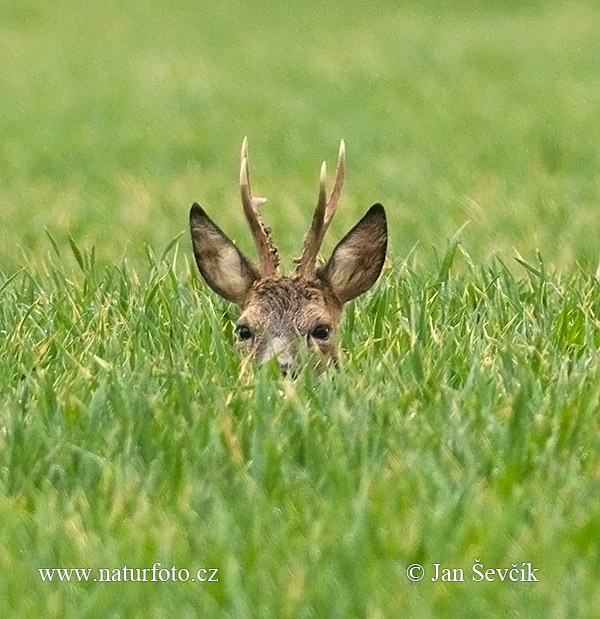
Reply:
x=226, y=270
x=357, y=260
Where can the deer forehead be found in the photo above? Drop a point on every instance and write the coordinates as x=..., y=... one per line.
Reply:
x=286, y=304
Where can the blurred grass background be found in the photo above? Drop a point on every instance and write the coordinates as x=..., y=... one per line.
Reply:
x=115, y=117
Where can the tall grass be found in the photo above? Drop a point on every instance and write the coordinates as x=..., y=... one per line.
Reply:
x=463, y=423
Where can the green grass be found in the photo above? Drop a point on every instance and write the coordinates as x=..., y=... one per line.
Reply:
x=464, y=422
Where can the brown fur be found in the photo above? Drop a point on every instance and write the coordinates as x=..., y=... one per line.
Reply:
x=290, y=309
x=279, y=312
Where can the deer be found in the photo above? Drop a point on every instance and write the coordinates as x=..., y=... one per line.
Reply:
x=280, y=313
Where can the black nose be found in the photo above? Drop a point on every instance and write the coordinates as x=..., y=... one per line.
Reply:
x=284, y=367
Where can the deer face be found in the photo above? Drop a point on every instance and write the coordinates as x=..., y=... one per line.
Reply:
x=279, y=313
x=285, y=313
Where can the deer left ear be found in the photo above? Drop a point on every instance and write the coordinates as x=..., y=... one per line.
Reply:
x=356, y=262
x=225, y=269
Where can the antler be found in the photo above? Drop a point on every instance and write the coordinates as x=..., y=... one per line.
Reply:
x=324, y=213
x=267, y=252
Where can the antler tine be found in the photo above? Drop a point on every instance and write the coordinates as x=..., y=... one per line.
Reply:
x=267, y=252
x=324, y=212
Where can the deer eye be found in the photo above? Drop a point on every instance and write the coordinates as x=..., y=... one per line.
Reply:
x=321, y=332
x=243, y=333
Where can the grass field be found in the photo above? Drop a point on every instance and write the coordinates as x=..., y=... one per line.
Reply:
x=464, y=423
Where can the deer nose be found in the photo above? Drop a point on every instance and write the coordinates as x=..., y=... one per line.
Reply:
x=285, y=359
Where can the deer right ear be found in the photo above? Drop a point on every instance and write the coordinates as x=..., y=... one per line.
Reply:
x=357, y=260
x=226, y=270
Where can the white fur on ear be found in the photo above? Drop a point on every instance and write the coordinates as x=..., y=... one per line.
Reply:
x=231, y=267
x=358, y=258
x=223, y=266
x=346, y=259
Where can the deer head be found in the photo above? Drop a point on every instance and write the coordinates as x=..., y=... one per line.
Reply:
x=279, y=312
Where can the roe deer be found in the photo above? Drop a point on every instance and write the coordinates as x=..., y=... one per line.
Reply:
x=279, y=311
